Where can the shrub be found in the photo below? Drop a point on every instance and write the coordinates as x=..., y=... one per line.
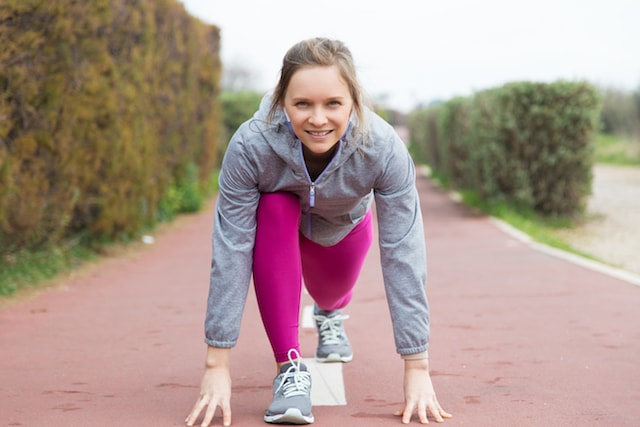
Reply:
x=237, y=107
x=104, y=107
x=528, y=144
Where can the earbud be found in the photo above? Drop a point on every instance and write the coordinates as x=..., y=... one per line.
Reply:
x=288, y=122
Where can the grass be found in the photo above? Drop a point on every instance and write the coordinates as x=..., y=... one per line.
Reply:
x=29, y=270
x=617, y=150
x=25, y=270
x=541, y=229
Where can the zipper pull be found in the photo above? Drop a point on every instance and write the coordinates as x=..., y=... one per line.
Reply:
x=312, y=195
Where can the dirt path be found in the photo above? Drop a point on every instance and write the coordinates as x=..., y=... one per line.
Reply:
x=612, y=230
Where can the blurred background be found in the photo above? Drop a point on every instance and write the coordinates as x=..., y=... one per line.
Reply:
x=413, y=53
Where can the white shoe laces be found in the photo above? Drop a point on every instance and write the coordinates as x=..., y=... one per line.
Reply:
x=301, y=379
x=331, y=328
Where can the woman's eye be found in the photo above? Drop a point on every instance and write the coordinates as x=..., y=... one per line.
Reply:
x=301, y=104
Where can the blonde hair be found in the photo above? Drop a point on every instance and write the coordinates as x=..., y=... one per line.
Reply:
x=325, y=52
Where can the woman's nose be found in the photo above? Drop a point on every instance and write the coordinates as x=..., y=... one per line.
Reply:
x=318, y=118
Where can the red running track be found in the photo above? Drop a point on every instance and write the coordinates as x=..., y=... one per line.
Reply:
x=518, y=338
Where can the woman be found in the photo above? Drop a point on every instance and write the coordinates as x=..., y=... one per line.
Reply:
x=296, y=188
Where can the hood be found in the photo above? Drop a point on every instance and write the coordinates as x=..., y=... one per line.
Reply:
x=263, y=110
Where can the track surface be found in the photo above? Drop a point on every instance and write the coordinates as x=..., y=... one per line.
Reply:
x=518, y=338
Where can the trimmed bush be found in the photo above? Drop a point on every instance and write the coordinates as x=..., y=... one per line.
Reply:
x=237, y=107
x=528, y=144
x=105, y=106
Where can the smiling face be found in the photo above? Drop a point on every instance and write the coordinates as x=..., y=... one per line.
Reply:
x=318, y=103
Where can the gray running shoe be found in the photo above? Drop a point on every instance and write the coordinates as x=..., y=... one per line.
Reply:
x=291, y=394
x=333, y=344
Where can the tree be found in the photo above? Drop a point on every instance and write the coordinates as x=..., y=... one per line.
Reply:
x=238, y=77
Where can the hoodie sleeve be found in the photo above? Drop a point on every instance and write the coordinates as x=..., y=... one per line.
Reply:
x=402, y=249
x=233, y=240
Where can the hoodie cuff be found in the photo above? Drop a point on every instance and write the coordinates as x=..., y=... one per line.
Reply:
x=416, y=356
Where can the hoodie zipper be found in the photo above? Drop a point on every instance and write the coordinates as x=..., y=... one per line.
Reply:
x=312, y=183
x=312, y=193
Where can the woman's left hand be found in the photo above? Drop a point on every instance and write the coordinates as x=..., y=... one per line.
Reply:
x=419, y=394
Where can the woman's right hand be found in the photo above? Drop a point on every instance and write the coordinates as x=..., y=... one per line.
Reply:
x=215, y=389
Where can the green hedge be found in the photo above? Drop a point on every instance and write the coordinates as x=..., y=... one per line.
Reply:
x=527, y=144
x=106, y=107
x=237, y=107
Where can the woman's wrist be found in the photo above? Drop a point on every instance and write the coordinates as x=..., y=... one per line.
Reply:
x=217, y=357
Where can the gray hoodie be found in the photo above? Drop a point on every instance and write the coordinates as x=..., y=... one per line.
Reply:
x=267, y=157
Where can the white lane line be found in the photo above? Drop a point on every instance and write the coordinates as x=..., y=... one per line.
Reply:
x=576, y=259
x=327, y=384
x=307, y=317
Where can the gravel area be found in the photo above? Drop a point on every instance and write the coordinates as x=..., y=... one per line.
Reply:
x=611, y=232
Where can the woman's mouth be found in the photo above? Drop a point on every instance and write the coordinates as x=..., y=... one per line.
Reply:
x=319, y=133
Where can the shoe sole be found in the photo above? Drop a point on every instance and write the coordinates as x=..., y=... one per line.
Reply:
x=334, y=358
x=291, y=416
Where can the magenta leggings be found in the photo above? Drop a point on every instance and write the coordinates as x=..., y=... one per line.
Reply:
x=283, y=256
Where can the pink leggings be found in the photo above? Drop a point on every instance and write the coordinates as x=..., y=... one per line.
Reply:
x=283, y=256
